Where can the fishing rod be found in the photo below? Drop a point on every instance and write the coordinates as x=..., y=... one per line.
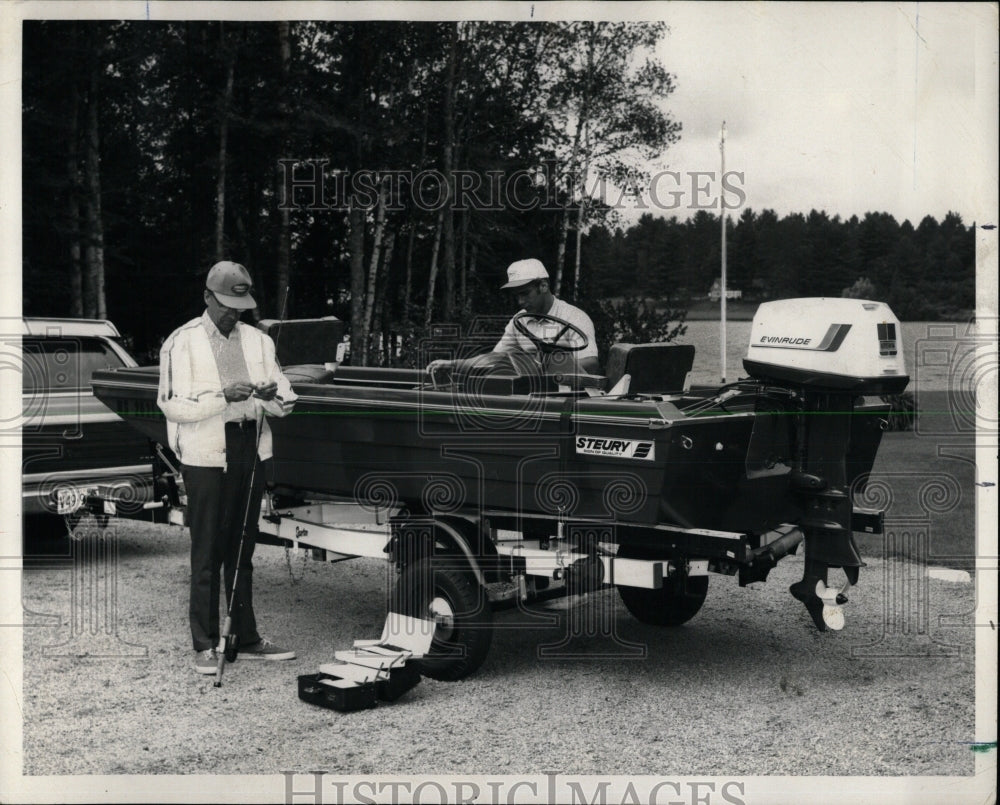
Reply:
x=228, y=641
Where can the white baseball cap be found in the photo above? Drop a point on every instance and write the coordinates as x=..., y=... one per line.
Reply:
x=231, y=284
x=524, y=271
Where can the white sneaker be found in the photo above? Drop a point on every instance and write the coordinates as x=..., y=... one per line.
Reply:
x=264, y=650
x=205, y=662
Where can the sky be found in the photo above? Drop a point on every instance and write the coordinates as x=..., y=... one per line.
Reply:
x=841, y=107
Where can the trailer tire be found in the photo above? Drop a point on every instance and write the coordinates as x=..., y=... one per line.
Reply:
x=675, y=603
x=432, y=588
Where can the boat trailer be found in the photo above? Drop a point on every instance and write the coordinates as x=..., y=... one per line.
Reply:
x=725, y=480
x=386, y=668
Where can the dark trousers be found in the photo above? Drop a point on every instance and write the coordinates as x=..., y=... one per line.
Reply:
x=217, y=503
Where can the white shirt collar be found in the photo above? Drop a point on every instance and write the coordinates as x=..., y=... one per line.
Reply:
x=215, y=332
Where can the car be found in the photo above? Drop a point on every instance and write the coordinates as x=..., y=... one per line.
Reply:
x=72, y=444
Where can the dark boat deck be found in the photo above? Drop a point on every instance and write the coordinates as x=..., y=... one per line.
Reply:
x=530, y=445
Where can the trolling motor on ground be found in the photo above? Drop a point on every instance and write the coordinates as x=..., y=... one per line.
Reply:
x=830, y=352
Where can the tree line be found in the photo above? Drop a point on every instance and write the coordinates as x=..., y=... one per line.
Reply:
x=924, y=273
x=387, y=172
x=151, y=150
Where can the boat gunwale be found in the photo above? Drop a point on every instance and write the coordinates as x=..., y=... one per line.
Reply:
x=546, y=406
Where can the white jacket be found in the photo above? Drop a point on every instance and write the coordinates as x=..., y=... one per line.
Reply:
x=191, y=396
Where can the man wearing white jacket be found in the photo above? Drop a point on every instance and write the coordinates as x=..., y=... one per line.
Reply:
x=219, y=379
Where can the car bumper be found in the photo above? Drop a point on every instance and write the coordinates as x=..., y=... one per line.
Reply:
x=64, y=492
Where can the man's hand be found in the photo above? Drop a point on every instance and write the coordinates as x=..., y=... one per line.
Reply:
x=237, y=392
x=266, y=391
x=438, y=365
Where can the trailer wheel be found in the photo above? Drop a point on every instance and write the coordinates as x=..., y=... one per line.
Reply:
x=676, y=602
x=429, y=588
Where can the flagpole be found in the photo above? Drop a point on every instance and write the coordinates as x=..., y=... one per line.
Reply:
x=722, y=280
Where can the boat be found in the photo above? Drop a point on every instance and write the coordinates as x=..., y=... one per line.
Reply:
x=635, y=462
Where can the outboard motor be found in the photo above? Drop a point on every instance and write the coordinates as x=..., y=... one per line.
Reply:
x=829, y=351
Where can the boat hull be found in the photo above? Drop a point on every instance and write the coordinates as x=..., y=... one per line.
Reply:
x=640, y=462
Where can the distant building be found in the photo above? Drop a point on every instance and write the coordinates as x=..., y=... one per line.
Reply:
x=716, y=293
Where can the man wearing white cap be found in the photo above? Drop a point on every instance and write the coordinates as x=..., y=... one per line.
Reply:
x=528, y=283
x=219, y=378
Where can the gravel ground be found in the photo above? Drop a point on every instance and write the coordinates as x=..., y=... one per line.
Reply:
x=746, y=688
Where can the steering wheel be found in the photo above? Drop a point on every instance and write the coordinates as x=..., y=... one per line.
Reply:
x=549, y=344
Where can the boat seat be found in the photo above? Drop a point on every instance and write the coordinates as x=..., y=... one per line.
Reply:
x=303, y=341
x=653, y=368
x=578, y=381
x=308, y=373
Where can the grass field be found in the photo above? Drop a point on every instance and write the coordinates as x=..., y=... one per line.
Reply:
x=927, y=488
x=706, y=310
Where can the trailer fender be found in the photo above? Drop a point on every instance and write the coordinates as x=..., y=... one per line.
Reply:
x=416, y=538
